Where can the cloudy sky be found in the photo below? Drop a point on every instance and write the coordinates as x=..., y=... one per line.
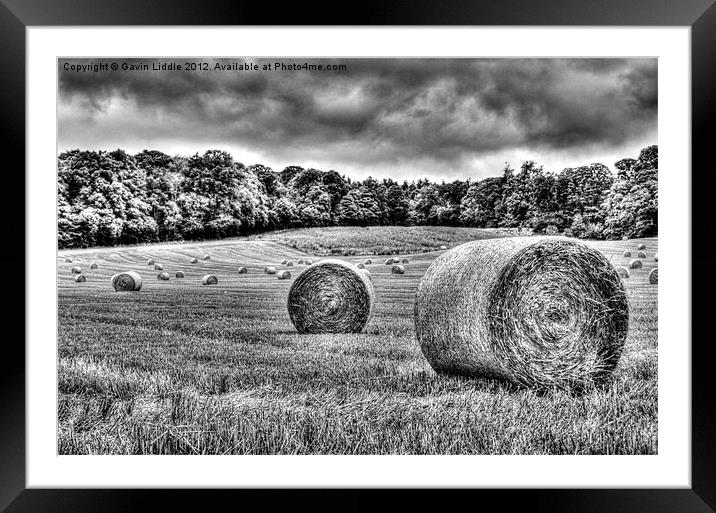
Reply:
x=404, y=118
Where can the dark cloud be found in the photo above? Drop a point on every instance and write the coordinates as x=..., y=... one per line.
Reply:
x=379, y=111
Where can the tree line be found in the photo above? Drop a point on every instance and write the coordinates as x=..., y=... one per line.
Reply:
x=111, y=197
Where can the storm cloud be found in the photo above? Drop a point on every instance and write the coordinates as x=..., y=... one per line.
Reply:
x=399, y=117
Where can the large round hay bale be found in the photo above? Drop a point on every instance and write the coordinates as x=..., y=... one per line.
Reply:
x=300, y=261
x=656, y=257
x=641, y=246
x=127, y=281
x=80, y=278
x=397, y=269
x=68, y=260
x=641, y=254
x=542, y=312
x=405, y=261
x=331, y=296
x=243, y=270
x=194, y=261
x=635, y=264
x=270, y=270
x=76, y=270
x=367, y=261
x=163, y=276
x=623, y=272
x=360, y=265
x=207, y=257
x=284, y=261
x=283, y=275
x=289, y=264
x=654, y=276
x=158, y=267
x=209, y=279
x=396, y=260
x=627, y=254
x=150, y=262
x=93, y=265
x=179, y=274
x=308, y=262
x=389, y=261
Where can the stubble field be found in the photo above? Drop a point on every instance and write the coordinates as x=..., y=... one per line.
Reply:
x=181, y=368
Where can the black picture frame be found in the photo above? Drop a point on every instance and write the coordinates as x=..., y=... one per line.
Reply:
x=17, y=15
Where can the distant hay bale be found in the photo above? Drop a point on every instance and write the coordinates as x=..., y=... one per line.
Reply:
x=397, y=269
x=331, y=296
x=209, y=279
x=396, y=260
x=93, y=265
x=635, y=264
x=656, y=257
x=127, y=281
x=308, y=262
x=150, y=262
x=270, y=270
x=163, y=276
x=179, y=274
x=194, y=261
x=627, y=254
x=76, y=270
x=443, y=247
x=68, y=260
x=158, y=267
x=367, y=261
x=654, y=276
x=389, y=261
x=540, y=312
x=289, y=264
x=243, y=270
x=80, y=278
x=641, y=246
x=284, y=261
x=405, y=261
x=283, y=275
x=207, y=257
x=300, y=261
x=641, y=254
x=360, y=265
x=623, y=272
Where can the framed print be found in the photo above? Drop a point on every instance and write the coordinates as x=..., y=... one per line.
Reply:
x=416, y=249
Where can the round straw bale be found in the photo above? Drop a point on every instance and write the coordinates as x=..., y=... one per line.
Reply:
x=93, y=265
x=283, y=262
x=158, y=267
x=243, y=270
x=150, y=262
x=389, y=261
x=270, y=270
x=194, y=261
x=207, y=257
x=656, y=257
x=283, y=275
x=289, y=264
x=331, y=296
x=367, y=261
x=641, y=246
x=635, y=264
x=396, y=260
x=641, y=254
x=627, y=254
x=300, y=261
x=397, y=269
x=360, y=265
x=541, y=312
x=68, y=260
x=127, y=281
x=623, y=272
x=209, y=279
x=179, y=274
x=163, y=276
x=80, y=278
x=406, y=261
x=443, y=247
x=308, y=262
x=76, y=270
x=654, y=276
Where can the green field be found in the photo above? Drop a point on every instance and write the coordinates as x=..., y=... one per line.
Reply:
x=181, y=368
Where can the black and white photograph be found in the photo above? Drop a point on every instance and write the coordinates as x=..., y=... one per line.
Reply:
x=357, y=256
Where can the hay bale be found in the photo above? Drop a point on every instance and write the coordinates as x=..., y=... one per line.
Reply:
x=389, y=261
x=405, y=261
x=397, y=269
x=626, y=254
x=283, y=275
x=443, y=247
x=163, y=276
x=76, y=270
x=283, y=262
x=635, y=264
x=194, y=261
x=300, y=261
x=396, y=260
x=641, y=254
x=360, y=265
x=127, y=281
x=158, y=267
x=656, y=257
x=308, y=262
x=541, y=312
x=209, y=279
x=80, y=278
x=150, y=262
x=367, y=261
x=623, y=272
x=270, y=270
x=207, y=257
x=331, y=296
x=93, y=265
x=68, y=260
x=654, y=276
x=179, y=274
x=243, y=270
x=641, y=246
x=289, y=264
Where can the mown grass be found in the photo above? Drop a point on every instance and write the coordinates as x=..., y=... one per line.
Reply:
x=179, y=368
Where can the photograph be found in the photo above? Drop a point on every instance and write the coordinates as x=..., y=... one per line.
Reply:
x=357, y=256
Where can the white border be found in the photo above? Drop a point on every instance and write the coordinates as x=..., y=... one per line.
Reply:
x=671, y=467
